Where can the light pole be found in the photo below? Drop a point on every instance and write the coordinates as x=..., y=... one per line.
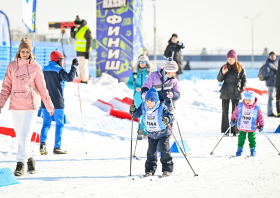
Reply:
x=252, y=24
x=155, y=31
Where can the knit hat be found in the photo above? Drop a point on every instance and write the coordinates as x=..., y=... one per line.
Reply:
x=25, y=43
x=174, y=35
x=170, y=65
x=78, y=21
x=55, y=56
x=249, y=95
x=152, y=95
x=232, y=54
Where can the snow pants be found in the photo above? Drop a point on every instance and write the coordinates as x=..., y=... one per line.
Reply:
x=166, y=158
x=59, y=125
x=225, y=119
x=251, y=138
x=22, y=120
x=83, y=69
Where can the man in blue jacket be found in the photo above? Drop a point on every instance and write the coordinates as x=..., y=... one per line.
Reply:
x=269, y=71
x=55, y=77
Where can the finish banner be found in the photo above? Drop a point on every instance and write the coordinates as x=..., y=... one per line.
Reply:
x=119, y=36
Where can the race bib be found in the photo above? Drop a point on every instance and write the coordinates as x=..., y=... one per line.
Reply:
x=151, y=121
x=246, y=119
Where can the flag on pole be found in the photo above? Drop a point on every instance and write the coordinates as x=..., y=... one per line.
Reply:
x=5, y=34
x=29, y=14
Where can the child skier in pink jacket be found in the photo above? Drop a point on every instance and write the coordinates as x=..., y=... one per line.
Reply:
x=249, y=117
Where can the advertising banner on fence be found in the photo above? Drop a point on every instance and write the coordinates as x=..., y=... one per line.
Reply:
x=119, y=36
x=29, y=14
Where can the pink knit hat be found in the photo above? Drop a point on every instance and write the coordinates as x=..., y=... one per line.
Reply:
x=232, y=54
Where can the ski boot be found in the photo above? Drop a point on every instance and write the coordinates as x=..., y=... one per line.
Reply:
x=140, y=135
x=148, y=174
x=43, y=148
x=19, y=169
x=239, y=151
x=166, y=173
x=253, y=152
x=59, y=151
x=31, y=165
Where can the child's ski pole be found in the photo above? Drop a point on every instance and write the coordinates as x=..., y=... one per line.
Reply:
x=271, y=142
x=137, y=140
x=181, y=149
x=220, y=139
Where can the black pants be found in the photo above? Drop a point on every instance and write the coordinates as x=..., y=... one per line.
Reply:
x=225, y=120
x=166, y=159
x=278, y=99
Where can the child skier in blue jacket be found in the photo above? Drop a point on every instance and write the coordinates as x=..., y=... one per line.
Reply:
x=140, y=73
x=157, y=118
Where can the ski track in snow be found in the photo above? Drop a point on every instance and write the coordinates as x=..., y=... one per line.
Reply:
x=103, y=172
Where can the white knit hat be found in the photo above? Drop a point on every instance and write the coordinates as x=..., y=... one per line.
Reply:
x=171, y=66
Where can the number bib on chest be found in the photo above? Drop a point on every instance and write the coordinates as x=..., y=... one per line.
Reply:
x=151, y=121
x=247, y=118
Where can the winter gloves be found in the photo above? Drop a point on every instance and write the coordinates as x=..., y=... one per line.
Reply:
x=132, y=108
x=75, y=62
x=232, y=123
x=260, y=128
x=86, y=55
x=165, y=120
x=170, y=94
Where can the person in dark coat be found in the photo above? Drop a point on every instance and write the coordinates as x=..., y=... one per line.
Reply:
x=233, y=76
x=55, y=77
x=173, y=49
x=269, y=71
x=277, y=85
x=187, y=66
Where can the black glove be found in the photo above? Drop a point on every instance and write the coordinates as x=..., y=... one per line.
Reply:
x=75, y=62
x=86, y=55
x=73, y=29
x=132, y=108
x=181, y=44
x=166, y=120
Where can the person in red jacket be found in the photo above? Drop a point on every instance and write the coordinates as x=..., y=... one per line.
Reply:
x=23, y=81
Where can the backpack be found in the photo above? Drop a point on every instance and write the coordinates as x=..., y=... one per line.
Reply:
x=261, y=75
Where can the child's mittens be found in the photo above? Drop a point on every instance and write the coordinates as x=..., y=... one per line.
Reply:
x=170, y=94
x=132, y=108
x=260, y=128
x=143, y=95
x=232, y=123
x=165, y=120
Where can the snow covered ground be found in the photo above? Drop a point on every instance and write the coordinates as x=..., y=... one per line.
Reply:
x=103, y=172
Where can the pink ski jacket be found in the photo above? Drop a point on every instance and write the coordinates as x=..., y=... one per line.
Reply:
x=260, y=120
x=23, y=81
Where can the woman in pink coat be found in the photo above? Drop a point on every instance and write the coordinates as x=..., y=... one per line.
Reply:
x=23, y=81
x=248, y=117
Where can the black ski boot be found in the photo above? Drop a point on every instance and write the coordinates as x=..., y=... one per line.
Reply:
x=148, y=174
x=43, y=148
x=19, y=169
x=166, y=174
x=31, y=165
x=59, y=151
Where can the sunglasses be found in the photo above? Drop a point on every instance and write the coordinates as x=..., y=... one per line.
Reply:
x=142, y=62
x=25, y=52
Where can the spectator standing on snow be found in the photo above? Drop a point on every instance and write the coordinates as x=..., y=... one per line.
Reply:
x=248, y=116
x=277, y=85
x=269, y=71
x=233, y=76
x=23, y=81
x=173, y=50
x=140, y=73
x=55, y=77
x=152, y=111
x=164, y=81
x=83, y=41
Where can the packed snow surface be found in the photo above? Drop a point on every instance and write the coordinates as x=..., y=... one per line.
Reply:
x=104, y=170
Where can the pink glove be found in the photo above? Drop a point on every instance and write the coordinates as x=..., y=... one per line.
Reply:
x=170, y=94
x=143, y=95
